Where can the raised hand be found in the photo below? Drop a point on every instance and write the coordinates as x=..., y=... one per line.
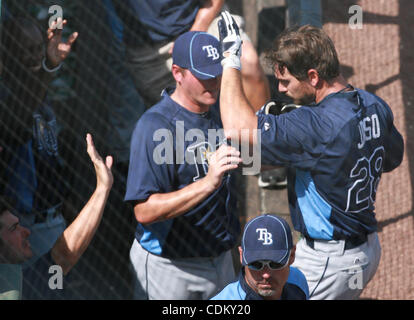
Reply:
x=230, y=41
x=225, y=158
x=57, y=51
x=104, y=177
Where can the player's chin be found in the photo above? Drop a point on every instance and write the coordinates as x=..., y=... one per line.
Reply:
x=266, y=292
x=27, y=250
x=210, y=97
x=305, y=99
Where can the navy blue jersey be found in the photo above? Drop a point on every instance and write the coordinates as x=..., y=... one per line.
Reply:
x=336, y=151
x=295, y=288
x=156, y=20
x=169, y=150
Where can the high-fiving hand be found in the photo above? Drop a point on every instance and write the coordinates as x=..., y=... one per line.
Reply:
x=231, y=42
x=104, y=177
x=57, y=51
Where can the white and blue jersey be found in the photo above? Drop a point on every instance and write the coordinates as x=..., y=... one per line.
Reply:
x=336, y=151
x=169, y=150
x=295, y=288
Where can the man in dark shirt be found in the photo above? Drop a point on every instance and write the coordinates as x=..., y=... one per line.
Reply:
x=151, y=28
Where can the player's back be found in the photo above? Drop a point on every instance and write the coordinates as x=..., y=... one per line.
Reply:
x=364, y=144
x=351, y=141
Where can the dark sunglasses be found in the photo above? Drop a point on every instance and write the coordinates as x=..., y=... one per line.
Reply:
x=260, y=264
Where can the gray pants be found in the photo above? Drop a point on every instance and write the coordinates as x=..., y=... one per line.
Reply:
x=159, y=278
x=335, y=273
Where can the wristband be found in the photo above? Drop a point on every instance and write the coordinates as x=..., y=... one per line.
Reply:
x=50, y=70
x=232, y=61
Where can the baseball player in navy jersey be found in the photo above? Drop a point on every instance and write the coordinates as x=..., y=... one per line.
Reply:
x=336, y=145
x=266, y=254
x=181, y=188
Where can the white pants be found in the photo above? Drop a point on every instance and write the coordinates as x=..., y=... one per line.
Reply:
x=333, y=273
x=159, y=278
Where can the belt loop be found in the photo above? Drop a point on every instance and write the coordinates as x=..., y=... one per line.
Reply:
x=343, y=243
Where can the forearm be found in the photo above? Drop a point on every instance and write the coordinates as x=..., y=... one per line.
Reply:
x=206, y=14
x=163, y=206
x=75, y=239
x=236, y=112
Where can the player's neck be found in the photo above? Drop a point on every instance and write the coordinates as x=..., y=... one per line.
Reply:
x=187, y=103
x=326, y=88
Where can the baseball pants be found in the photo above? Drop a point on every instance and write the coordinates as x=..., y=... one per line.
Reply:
x=333, y=273
x=158, y=278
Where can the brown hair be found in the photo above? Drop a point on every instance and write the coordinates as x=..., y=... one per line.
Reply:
x=302, y=48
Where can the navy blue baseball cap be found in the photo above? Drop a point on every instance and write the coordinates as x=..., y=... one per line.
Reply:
x=200, y=53
x=266, y=237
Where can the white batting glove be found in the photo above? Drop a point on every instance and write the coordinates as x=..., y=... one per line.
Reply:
x=230, y=41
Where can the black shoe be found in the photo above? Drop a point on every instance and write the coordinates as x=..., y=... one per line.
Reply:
x=275, y=178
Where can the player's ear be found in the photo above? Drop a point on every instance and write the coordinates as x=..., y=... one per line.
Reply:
x=177, y=72
x=313, y=77
x=241, y=254
x=292, y=255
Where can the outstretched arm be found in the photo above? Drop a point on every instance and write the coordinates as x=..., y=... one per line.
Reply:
x=208, y=11
x=206, y=14
x=76, y=238
x=236, y=112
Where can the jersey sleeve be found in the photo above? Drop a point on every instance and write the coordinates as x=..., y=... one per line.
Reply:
x=151, y=166
x=232, y=291
x=297, y=138
x=394, y=144
x=297, y=278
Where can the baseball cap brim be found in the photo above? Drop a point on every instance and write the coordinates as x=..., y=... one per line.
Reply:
x=209, y=72
x=278, y=256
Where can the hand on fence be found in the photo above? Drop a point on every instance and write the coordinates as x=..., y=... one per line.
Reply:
x=57, y=51
x=104, y=177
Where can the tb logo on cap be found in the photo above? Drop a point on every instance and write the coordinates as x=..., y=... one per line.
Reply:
x=211, y=52
x=264, y=236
